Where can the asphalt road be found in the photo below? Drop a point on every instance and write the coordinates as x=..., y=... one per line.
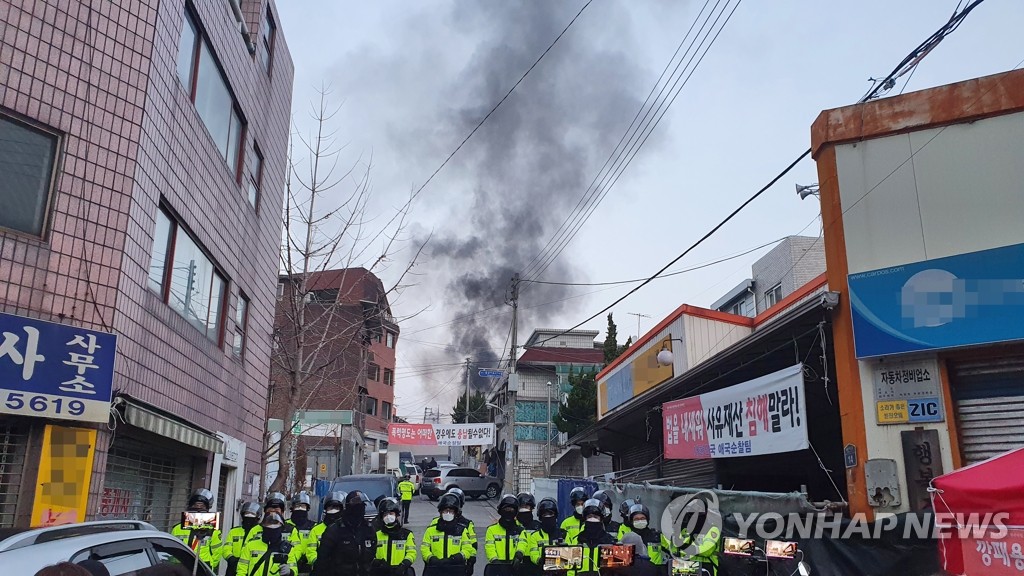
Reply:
x=481, y=512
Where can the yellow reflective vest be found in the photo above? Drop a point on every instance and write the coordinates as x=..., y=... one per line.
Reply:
x=707, y=546
x=396, y=546
x=255, y=560
x=437, y=544
x=501, y=544
x=532, y=543
x=406, y=488
x=659, y=550
x=572, y=526
x=208, y=546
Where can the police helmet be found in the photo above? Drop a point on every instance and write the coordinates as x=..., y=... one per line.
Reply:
x=526, y=500
x=547, y=507
x=508, y=501
x=606, y=502
x=449, y=501
x=301, y=499
x=593, y=507
x=458, y=493
x=638, y=509
x=389, y=505
x=578, y=494
x=274, y=500
x=201, y=496
x=626, y=506
x=335, y=500
x=251, y=509
x=272, y=519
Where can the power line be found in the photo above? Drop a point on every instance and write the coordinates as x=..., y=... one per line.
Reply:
x=670, y=274
x=885, y=84
x=502, y=101
x=640, y=135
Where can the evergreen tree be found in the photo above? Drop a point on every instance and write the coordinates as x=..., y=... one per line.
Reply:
x=580, y=409
x=611, y=342
x=477, y=409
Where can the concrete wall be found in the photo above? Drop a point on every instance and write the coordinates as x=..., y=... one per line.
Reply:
x=793, y=262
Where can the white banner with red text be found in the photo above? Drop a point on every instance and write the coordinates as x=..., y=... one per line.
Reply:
x=441, y=434
x=766, y=415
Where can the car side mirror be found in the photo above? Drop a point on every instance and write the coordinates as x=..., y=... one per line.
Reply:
x=481, y=476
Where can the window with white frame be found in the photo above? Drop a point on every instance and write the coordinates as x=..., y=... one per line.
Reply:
x=391, y=340
x=241, y=324
x=773, y=296
x=185, y=277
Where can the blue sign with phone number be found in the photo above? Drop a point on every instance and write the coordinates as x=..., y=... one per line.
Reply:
x=54, y=370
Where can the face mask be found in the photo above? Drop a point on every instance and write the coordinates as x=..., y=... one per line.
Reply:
x=248, y=522
x=579, y=509
x=300, y=516
x=447, y=516
x=355, y=511
x=272, y=535
x=549, y=523
x=524, y=517
x=593, y=526
x=390, y=519
x=640, y=524
x=331, y=516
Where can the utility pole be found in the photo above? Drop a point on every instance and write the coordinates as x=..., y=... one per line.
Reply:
x=638, y=317
x=547, y=451
x=513, y=387
x=467, y=390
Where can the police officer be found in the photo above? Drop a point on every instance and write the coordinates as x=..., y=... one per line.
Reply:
x=659, y=548
x=624, y=509
x=405, y=489
x=231, y=551
x=205, y=541
x=528, y=558
x=527, y=504
x=271, y=554
x=446, y=545
x=470, y=529
x=502, y=539
x=334, y=503
x=349, y=545
x=396, y=545
x=301, y=522
x=573, y=524
x=591, y=536
x=701, y=546
x=642, y=565
x=607, y=505
x=274, y=504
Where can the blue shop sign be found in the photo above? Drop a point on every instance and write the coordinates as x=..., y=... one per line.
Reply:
x=54, y=370
x=963, y=300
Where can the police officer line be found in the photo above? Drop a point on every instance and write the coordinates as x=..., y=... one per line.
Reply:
x=526, y=540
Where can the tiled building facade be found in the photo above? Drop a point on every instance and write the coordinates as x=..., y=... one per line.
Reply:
x=165, y=132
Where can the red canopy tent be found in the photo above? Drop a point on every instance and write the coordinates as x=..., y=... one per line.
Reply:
x=994, y=486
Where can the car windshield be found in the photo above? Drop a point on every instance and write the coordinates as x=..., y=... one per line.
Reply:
x=371, y=487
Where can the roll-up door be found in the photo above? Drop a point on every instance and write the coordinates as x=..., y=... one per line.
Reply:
x=690, y=473
x=13, y=447
x=989, y=397
x=639, y=463
x=143, y=484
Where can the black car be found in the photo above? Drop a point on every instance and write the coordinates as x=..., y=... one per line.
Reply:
x=373, y=487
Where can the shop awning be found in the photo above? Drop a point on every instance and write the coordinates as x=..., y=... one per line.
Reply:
x=141, y=416
x=993, y=486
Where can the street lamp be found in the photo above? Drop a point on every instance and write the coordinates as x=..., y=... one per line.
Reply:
x=665, y=355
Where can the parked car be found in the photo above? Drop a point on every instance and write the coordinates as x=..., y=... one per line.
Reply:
x=373, y=486
x=437, y=481
x=123, y=546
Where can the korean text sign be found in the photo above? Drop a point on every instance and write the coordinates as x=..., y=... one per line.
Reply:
x=55, y=370
x=441, y=434
x=766, y=415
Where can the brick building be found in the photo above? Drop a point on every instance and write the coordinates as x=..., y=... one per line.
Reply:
x=351, y=336
x=142, y=162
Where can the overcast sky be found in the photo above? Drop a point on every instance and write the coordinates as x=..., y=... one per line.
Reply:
x=413, y=78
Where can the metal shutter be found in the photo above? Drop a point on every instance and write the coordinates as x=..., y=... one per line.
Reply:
x=690, y=473
x=989, y=399
x=13, y=446
x=142, y=485
x=640, y=463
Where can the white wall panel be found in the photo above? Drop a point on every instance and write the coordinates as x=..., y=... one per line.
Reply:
x=970, y=179
x=705, y=338
x=883, y=228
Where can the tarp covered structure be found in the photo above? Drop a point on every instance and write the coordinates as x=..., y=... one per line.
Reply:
x=993, y=486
